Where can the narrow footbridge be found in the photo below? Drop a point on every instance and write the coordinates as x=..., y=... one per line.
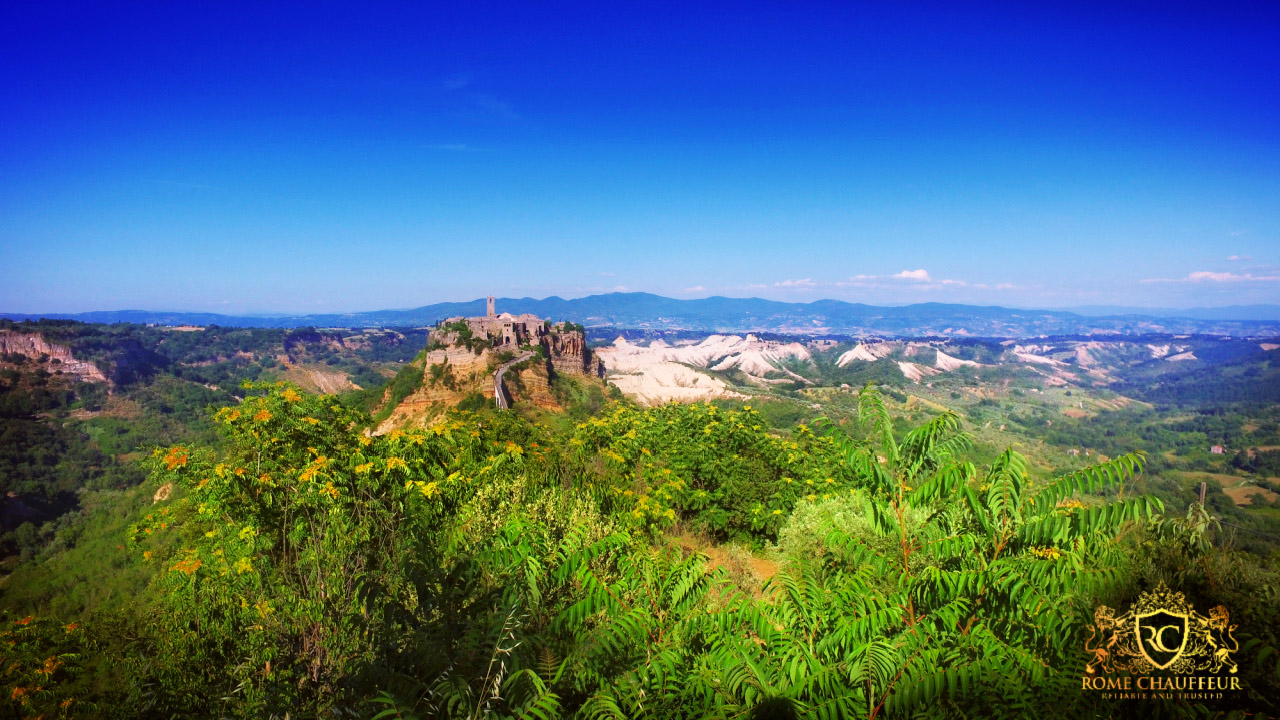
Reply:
x=500, y=392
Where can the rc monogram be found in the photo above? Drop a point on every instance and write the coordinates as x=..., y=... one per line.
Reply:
x=1161, y=632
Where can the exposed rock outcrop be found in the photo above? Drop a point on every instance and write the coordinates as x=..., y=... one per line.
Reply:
x=531, y=386
x=914, y=371
x=948, y=363
x=517, y=356
x=34, y=346
x=864, y=351
x=570, y=355
x=454, y=373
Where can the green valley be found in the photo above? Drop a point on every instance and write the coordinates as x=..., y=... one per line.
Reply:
x=204, y=522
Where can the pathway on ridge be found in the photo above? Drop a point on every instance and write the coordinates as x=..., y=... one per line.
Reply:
x=498, y=394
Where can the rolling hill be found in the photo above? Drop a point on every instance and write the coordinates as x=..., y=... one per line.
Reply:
x=741, y=315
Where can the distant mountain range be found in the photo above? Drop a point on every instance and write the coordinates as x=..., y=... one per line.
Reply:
x=1262, y=313
x=644, y=311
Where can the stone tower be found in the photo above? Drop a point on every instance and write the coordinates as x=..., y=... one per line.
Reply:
x=489, y=307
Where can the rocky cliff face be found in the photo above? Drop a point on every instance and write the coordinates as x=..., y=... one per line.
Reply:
x=570, y=355
x=297, y=343
x=33, y=345
x=533, y=387
x=451, y=374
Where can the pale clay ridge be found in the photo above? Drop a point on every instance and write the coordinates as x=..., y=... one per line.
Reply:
x=948, y=363
x=722, y=352
x=1083, y=358
x=1181, y=357
x=914, y=372
x=869, y=353
x=1036, y=359
x=1158, y=351
x=875, y=351
x=666, y=381
x=660, y=372
x=1027, y=354
x=1033, y=349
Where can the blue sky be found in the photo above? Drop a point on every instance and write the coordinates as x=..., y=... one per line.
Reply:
x=314, y=158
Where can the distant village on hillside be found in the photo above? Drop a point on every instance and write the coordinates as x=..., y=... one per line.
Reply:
x=564, y=345
x=497, y=357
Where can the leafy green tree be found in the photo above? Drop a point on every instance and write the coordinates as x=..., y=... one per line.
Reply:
x=306, y=560
x=977, y=608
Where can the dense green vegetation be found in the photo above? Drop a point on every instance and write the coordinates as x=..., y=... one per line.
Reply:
x=225, y=357
x=495, y=568
x=822, y=552
x=60, y=438
x=1251, y=379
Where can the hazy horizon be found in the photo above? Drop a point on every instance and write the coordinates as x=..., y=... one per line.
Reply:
x=1081, y=309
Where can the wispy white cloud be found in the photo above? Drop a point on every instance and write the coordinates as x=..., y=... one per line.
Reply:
x=908, y=281
x=695, y=289
x=1209, y=276
x=921, y=275
x=919, y=279
x=1239, y=258
x=607, y=274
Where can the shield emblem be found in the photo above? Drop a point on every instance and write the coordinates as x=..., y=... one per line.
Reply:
x=1162, y=636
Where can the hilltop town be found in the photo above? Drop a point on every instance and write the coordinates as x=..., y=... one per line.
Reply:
x=496, y=357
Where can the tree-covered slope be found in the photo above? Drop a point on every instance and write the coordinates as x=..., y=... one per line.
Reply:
x=491, y=567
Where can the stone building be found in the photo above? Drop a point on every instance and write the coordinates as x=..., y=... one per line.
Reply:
x=566, y=350
x=470, y=356
x=505, y=331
